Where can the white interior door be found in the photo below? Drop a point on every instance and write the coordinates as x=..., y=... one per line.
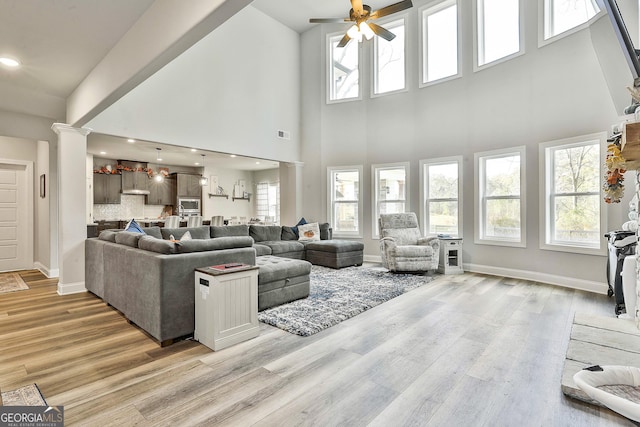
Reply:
x=15, y=231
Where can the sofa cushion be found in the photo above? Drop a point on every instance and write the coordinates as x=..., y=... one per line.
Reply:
x=325, y=231
x=108, y=235
x=128, y=238
x=153, y=231
x=262, y=250
x=196, y=232
x=261, y=233
x=275, y=268
x=201, y=245
x=288, y=233
x=150, y=243
x=335, y=246
x=411, y=251
x=284, y=246
x=309, y=232
x=229, y=230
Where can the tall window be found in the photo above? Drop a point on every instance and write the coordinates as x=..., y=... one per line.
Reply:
x=440, y=41
x=344, y=75
x=268, y=201
x=563, y=15
x=345, y=203
x=442, y=184
x=390, y=190
x=389, y=59
x=570, y=196
x=498, y=25
x=500, y=210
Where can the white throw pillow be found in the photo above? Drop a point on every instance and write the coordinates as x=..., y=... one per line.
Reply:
x=309, y=232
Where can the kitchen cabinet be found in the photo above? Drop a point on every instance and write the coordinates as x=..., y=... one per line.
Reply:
x=189, y=185
x=161, y=193
x=133, y=182
x=106, y=188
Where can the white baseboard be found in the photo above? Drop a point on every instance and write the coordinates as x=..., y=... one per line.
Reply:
x=536, y=276
x=71, y=288
x=372, y=258
x=44, y=270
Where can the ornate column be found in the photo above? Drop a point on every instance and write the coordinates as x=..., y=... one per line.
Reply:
x=72, y=205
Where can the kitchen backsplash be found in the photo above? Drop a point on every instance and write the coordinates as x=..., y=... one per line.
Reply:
x=131, y=206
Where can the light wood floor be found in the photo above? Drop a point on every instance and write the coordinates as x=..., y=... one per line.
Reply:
x=469, y=350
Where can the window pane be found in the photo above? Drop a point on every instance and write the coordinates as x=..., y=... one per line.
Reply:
x=390, y=59
x=443, y=181
x=577, y=219
x=441, y=44
x=502, y=176
x=499, y=27
x=567, y=14
x=346, y=185
x=577, y=169
x=391, y=185
x=503, y=219
x=391, y=207
x=443, y=217
x=346, y=217
x=344, y=70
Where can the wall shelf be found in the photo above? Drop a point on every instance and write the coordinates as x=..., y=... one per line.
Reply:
x=218, y=195
x=630, y=145
x=241, y=198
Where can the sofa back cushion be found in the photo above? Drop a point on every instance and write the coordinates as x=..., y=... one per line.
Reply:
x=108, y=235
x=288, y=233
x=128, y=238
x=214, y=244
x=325, y=231
x=264, y=233
x=196, y=232
x=149, y=243
x=229, y=230
x=153, y=231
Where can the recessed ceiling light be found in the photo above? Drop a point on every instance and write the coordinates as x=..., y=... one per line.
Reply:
x=9, y=62
x=103, y=152
x=196, y=163
x=131, y=140
x=193, y=150
x=257, y=163
x=233, y=155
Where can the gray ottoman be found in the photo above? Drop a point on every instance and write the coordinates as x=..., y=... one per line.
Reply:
x=335, y=253
x=281, y=280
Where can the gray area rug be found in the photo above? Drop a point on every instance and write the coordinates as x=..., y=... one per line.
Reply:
x=337, y=295
x=11, y=282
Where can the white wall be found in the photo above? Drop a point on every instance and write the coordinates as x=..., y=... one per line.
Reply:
x=230, y=93
x=549, y=93
x=228, y=207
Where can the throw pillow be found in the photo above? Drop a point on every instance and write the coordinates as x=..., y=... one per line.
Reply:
x=186, y=236
x=133, y=227
x=295, y=227
x=309, y=232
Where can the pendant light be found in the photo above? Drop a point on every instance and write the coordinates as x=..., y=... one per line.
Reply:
x=158, y=177
x=203, y=179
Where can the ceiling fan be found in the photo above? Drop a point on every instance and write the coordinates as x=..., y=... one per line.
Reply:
x=360, y=14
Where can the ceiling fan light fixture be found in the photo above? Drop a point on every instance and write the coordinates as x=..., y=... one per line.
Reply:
x=354, y=33
x=366, y=30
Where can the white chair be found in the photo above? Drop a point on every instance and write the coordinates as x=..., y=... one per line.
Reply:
x=243, y=220
x=402, y=246
x=194, y=221
x=269, y=220
x=217, y=220
x=172, y=221
x=234, y=220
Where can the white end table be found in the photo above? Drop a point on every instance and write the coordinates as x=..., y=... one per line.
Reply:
x=226, y=305
x=450, y=261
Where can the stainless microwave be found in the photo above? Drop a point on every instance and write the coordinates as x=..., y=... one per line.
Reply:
x=189, y=206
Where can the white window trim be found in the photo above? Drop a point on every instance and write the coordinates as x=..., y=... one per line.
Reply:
x=374, y=56
x=436, y=7
x=330, y=193
x=545, y=182
x=476, y=42
x=328, y=71
x=478, y=185
x=542, y=24
x=423, y=190
x=375, y=233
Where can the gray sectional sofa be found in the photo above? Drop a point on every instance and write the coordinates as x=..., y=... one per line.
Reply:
x=149, y=278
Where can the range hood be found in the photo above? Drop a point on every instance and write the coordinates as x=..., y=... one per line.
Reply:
x=134, y=182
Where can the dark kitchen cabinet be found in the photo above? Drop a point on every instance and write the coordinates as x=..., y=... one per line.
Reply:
x=161, y=193
x=135, y=181
x=106, y=188
x=189, y=185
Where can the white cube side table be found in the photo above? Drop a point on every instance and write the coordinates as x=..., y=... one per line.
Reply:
x=450, y=261
x=226, y=305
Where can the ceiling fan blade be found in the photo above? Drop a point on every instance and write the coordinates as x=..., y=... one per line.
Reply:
x=391, y=9
x=381, y=31
x=344, y=41
x=329, y=20
x=358, y=9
